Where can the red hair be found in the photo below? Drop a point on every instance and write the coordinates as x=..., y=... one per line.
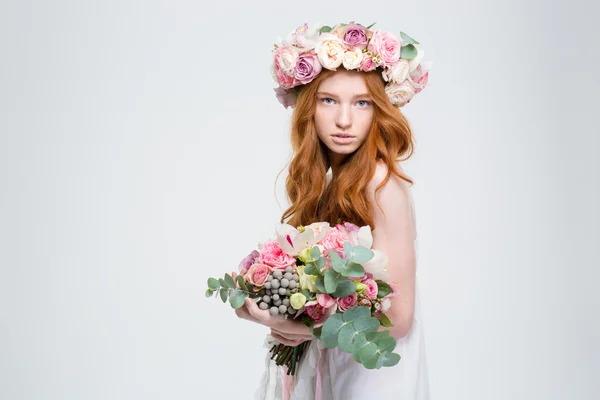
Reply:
x=389, y=140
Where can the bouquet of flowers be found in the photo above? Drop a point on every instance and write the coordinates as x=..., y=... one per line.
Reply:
x=327, y=278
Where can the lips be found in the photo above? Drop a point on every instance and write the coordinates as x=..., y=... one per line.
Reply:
x=342, y=135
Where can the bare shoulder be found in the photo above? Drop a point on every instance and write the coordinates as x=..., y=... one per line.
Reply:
x=394, y=184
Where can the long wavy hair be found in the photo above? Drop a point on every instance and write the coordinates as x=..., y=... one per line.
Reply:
x=389, y=140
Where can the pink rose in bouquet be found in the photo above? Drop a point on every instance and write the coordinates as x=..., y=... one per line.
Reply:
x=273, y=255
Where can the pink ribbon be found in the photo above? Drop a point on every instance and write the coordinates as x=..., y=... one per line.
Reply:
x=288, y=380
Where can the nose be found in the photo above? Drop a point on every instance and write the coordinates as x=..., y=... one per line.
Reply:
x=343, y=118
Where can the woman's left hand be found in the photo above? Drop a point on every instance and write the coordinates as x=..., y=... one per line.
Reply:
x=284, y=330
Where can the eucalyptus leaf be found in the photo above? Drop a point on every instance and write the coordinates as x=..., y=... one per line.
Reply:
x=241, y=282
x=222, y=282
x=356, y=312
x=325, y=29
x=361, y=254
x=366, y=324
x=229, y=281
x=408, y=52
x=306, y=293
x=331, y=281
x=223, y=293
x=330, y=330
x=321, y=262
x=311, y=269
x=209, y=292
x=383, y=289
x=337, y=264
x=408, y=39
x=213, y=284
x=237, y=298
x=354, y=270
x=316, y=332
x=391, y=359
x=344, y=288
x=346, y=338
x=315, y=253
x=369, y=27
x=368, y=355
x=320, y=284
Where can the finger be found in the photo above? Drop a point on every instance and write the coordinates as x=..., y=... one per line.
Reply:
x=291, y=336
x=285, y=341
x=262, y=315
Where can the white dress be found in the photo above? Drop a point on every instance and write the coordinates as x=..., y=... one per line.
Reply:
x=341, y=378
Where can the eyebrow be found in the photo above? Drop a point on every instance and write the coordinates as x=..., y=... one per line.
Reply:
x=333, y=95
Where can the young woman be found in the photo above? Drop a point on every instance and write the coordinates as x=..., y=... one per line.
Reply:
x=348, y=137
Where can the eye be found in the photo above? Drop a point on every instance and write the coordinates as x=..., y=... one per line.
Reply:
x=365, y=103
x=324, y=100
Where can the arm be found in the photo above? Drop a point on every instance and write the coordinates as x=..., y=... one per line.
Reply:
x=393, y=235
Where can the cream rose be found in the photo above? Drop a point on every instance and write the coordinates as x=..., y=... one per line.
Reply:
x=398, y=73
x=287, y=57
x=400, y=94
x=330, y=51
x=353, y=59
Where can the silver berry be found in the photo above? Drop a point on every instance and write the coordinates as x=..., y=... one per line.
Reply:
x=277, y=303
x=285, y=302
x=277, y=274
x=268, y=285
x=263, y=306
x=295, y=277
x=283, y=291
x=274, y=284
x=274, y=310
x=266, y=298
x=288, y=276
x=282, y=309
x=270, y=278
x=285, y=282
x=289, y=269
x=292, y=284
x=291, y=310
x=275, y=297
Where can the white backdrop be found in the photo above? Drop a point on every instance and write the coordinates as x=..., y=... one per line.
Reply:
x=139, y=146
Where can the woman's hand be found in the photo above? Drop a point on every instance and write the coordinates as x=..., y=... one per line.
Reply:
x=284, y=330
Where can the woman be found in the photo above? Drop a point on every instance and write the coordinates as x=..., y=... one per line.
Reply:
x=347, y=121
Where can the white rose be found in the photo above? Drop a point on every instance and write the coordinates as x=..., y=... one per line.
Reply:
x=353, y=58
x=414, y=62
x=287, y=61
x=399, y=93
x=330, y=51
x=398, y=73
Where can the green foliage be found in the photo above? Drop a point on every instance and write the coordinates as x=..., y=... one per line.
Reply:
x=311, y=269
x=383, y=289
x=384, y=320
x=408, y=52
x=355, y=332
x=325, y=29
x=226, y=289
x=407, y=39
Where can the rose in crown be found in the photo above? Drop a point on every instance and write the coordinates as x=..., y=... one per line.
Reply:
x=305, y=52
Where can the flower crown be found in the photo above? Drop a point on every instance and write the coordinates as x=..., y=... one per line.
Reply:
x=299, y=58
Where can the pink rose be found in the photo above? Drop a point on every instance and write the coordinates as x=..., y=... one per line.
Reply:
x=367, y=64
x=372, y=289
x=355, y=36
x=248, y=261
x=257, y=274
x=334, y=240
x=350, y=227
x=287, y=97
x=347, y=302
x=283, y=73
x=274, y=256
x=387, y=46
x=307, y=67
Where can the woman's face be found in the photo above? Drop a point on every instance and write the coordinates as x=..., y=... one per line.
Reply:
x=344, y=113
